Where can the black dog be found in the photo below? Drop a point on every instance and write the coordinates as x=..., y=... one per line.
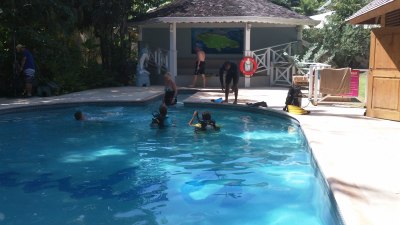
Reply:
x=293, y=97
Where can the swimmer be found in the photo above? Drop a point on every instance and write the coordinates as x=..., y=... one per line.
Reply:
x=79, y=116
x=161, y=119
x=204, y=122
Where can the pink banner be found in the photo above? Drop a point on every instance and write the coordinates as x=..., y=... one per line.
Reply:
x=354, y=82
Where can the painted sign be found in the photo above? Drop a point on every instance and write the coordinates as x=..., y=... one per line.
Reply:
x=218, y=40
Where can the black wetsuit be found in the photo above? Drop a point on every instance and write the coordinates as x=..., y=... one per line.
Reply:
x=231, y=74
x=205, y=123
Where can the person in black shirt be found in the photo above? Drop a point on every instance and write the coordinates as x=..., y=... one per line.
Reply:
x=230, y=70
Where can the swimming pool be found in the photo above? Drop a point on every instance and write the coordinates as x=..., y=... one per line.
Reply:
x=115, y=170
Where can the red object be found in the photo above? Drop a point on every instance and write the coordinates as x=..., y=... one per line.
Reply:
x=354, y=82
x=248, y=66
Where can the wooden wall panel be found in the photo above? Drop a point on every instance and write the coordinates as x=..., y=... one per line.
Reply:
x=384, y=77
x=386, y=93
x=385, y=52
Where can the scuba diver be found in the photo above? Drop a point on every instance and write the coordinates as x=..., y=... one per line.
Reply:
x=160, y=119
x=203, y=123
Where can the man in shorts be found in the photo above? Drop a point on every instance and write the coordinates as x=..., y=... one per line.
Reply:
x=200, y=67
x=27, y=66
x=229, y=69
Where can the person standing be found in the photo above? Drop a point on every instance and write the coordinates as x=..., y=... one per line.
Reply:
x=231, y=75
x=200, y=67
x=27, y=66
x=171, y=91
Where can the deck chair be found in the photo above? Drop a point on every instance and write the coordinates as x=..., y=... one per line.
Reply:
x=329, y=82
x=335, y=81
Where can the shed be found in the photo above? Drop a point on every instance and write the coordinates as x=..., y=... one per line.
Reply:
x=383, y=97
x=232, y=28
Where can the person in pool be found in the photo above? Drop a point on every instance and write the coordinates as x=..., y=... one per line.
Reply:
x=160, y=119
x=171, y=91
x=203, y=123
x=79, y=116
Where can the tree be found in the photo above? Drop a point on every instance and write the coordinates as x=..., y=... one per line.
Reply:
x=46, y=28
x=287, y=3
x=109, y=18
x=345, y=42
x=308, y=7
x=52, y=30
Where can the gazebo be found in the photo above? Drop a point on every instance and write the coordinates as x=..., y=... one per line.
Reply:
x=226, y=30
x=383, y=98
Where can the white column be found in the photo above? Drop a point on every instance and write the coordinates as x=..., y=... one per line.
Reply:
x=247, y=51
x=299, y=33
x=172, y=51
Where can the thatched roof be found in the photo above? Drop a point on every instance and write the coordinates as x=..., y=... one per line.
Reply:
x=224, y=11
x=370, y=13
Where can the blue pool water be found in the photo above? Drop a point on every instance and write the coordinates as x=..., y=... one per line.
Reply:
x=115, y=170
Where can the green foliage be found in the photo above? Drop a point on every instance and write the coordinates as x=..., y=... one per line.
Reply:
x=308, y=7
x=345, y=8
x=51, y=29
x=286, y=3
x=344, y=43
x=305, y=7
x=363, y=81
x=109, y=19
x=45, y=27
x=309, y=53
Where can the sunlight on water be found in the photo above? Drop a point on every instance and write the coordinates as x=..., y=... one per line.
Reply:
x=92, y=156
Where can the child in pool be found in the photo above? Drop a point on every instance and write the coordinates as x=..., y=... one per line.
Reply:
x=161, y=119
x=79, y=116
x=204, y=122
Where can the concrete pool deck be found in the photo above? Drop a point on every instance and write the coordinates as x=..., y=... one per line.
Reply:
x=359, y=156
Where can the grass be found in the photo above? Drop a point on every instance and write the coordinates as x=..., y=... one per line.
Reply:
x=362, y=86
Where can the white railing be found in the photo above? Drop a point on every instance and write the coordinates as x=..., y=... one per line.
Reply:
x=160, y=59
x=279, y=64
x=282, y=74
x=275, y=63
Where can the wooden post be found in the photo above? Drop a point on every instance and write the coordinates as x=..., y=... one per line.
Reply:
x=383, y=20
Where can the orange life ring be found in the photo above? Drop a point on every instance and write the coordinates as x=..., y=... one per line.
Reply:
x=248, y=66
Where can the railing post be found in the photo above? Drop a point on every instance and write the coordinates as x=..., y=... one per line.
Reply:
x=247, y=51
x=310, y=84
x=268, y=61
x=166, y=61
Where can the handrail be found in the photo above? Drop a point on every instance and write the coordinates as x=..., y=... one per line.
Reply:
x=159, y=58
x=278, y=65
x=275, y=46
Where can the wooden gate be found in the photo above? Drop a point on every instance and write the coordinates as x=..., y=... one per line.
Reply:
x=384, y=77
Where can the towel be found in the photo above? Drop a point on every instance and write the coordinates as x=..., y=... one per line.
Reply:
x=335, y=81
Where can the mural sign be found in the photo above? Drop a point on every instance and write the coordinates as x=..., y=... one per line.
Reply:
x=218, y=40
